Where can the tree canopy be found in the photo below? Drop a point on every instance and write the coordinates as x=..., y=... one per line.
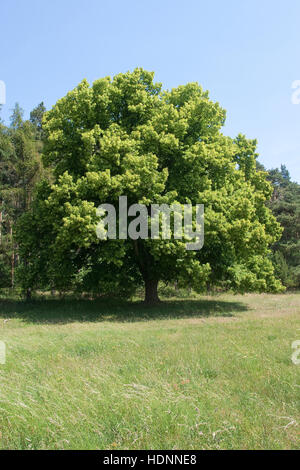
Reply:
x=128, y=136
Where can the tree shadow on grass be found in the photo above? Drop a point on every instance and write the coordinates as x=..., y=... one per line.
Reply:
x=68, y=311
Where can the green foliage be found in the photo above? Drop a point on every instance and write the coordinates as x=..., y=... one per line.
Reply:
x=20, y=169
x=285, y=205
x=36, y=118
x=126, y=136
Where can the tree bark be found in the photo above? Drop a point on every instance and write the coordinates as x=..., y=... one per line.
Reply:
x=28, y=294
x=151, y=293
x=144, y=263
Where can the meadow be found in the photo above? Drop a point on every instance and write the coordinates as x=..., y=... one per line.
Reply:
x=205, y=372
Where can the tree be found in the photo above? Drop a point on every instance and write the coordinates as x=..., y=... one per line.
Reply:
x=285, y=204
x=36, y=118
x=20, y=166
x=6, y=175
x=126, y=136
x=16, y=118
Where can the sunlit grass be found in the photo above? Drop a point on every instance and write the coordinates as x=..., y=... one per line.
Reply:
x=206, y=373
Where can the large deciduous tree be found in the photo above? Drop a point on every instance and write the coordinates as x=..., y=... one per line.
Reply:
x=126, y=136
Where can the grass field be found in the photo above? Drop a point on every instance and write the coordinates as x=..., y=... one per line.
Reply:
x=204, y=373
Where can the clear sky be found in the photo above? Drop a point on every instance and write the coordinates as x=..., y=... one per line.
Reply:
x=245, y=52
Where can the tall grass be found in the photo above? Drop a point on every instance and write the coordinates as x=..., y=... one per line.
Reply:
x=200, y=373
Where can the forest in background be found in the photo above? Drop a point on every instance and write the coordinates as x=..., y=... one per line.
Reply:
x=21, y=147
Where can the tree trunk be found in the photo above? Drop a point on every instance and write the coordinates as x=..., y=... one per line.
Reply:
x=1, y=220
x=28, y=294
x=151, y=294
x=12, y=257
x=144, y=260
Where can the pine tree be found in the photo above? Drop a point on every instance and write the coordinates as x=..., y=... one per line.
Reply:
x=20, y=165
x=285, y=204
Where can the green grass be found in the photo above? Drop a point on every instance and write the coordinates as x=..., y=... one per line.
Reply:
x=206, y=373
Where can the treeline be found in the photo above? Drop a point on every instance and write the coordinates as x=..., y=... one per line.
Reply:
x=21, y=146
x=20, y=169
x=285, y=205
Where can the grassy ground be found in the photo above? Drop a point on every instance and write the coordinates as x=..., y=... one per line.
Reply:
x=207, y=373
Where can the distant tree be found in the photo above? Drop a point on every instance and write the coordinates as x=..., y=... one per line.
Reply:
x=16, y=118
x=285, y=205
x=6, y=176
x=128, y=137
x=20, y=166
x=36, y=118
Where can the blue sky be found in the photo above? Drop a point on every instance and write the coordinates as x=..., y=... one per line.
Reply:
x=246, y=53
